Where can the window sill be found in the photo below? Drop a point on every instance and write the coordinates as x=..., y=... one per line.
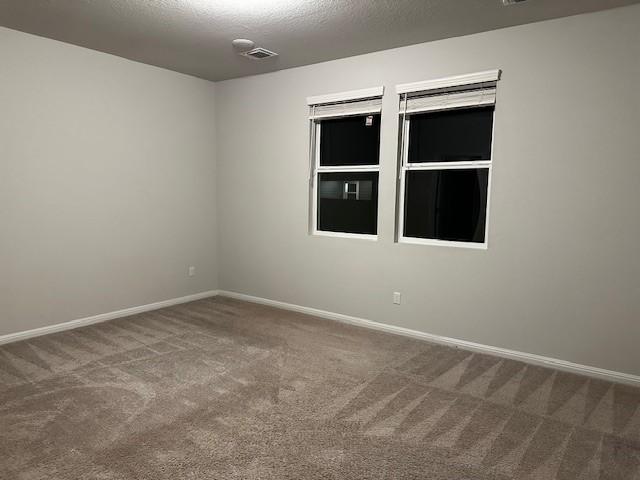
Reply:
x=357, y=236
x=443, y=243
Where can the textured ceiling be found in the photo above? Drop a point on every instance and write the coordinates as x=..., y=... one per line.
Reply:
x=194, y=36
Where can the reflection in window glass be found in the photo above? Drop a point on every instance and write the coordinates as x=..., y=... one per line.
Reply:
x=446, y=204
x=348, y=202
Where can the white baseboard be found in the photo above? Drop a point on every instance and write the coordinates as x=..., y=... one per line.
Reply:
x=530, y=358
x=102, y=317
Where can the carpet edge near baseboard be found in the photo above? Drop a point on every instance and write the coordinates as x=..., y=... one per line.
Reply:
x=530, y=358
x=102, y=317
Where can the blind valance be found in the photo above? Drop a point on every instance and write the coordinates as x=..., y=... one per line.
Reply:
x=344, y=104
x=448, y=100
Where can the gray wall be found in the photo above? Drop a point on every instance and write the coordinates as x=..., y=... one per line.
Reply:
x=561, y=276
x=108, y=191
x=107, y=183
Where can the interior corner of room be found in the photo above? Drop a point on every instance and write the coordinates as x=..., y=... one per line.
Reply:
x=465, y=204
x=128, y=185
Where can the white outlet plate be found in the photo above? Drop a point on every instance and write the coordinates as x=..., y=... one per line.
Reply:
x=192, y=271
x=397, y=298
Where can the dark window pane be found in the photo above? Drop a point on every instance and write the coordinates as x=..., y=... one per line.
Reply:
x=451, y=135
x=350, y=141
x=446, y=204
x=348, y=202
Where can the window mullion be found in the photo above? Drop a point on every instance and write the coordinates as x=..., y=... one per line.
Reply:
x=348, y=169
x=447, y=165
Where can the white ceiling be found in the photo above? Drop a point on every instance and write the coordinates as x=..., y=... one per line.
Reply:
x=194, y=36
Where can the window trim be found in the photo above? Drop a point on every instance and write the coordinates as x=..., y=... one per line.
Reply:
x=317, y=169
x=449, y=82
x=356, y=236
x=404, y=166
x=349, y=96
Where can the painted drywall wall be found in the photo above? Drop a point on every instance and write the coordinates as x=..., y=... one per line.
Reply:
x=561, y=275
x=107, y=183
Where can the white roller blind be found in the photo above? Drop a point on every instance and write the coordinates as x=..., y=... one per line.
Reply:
x=448, y=100
x=345, y=109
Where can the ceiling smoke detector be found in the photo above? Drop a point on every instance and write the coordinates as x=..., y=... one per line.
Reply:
x=243, y=44
x=259, y=53
x=506, y=3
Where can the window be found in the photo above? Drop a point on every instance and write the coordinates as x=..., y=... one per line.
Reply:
x=345, y=159
x=445, y=161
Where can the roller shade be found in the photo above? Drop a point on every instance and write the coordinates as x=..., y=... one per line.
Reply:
x=345, y=109
x=447, y=100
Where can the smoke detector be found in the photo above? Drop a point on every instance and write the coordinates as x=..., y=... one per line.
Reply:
x=259, y=53
x=243, y=44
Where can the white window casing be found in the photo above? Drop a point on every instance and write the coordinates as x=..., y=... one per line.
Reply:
x=322, y=107
x=460, y=91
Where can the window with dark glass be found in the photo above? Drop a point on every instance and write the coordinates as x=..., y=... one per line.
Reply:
x=445, y=166
x=451, y=135
x=446, y=204
x=346, y=174
x=350, y=141
x=348, y=202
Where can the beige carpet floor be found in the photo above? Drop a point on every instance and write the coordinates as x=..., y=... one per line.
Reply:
x=222, y=389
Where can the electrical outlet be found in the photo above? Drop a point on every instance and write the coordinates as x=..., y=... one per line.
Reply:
x=397, y=297
x=192, y=271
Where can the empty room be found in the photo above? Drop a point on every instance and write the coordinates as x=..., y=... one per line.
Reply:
x=319, y=239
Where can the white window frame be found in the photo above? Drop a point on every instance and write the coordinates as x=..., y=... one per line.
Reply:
x=316, y=169
x=403, y=91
